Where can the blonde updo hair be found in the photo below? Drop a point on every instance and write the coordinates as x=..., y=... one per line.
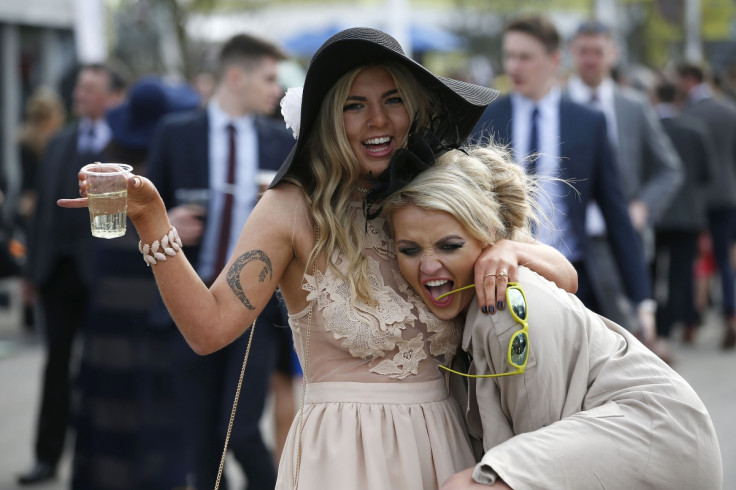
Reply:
x=482, y=187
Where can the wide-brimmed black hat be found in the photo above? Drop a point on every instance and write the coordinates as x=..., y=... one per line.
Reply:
x=463, y=102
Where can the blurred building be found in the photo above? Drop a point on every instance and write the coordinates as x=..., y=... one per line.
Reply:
x=41, y=43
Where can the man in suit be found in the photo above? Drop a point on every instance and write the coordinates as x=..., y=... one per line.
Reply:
x=650, y=169
x=59, y=260
x=570, y=141
x=206, y=166
x=719, y=117
x=679, y=227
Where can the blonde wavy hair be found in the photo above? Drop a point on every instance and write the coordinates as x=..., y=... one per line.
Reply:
x=333, y=171
x=482, y=187
x=44, y=115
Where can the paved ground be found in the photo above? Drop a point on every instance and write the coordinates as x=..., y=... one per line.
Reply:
x=709, y=370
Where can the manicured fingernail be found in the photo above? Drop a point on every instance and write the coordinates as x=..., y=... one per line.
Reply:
x=484, y=309
x=500, y=305
x=491, y=309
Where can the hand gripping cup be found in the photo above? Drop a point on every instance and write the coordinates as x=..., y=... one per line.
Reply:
x=107, y=194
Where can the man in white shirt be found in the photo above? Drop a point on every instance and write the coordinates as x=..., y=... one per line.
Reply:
x=651, y=171
x=572, y=144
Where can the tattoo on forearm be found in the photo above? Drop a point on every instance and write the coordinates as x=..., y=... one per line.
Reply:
x=233, y=275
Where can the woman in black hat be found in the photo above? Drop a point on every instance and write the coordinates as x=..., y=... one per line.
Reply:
x=376, y=412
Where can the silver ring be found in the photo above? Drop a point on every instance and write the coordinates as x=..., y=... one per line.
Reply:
x=503, y=274
x=489, y=275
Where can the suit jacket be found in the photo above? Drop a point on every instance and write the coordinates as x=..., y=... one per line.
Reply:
x=57, y=178
x=720, y=119
x=594, y=409
x=586, y=162
x=179, y=158
x=687, y=210
x=649, y=166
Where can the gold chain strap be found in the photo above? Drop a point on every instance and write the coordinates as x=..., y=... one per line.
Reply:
x=235, y=406
x=298, y=453
x=301, y=401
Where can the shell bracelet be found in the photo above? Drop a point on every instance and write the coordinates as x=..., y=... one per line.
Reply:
x=169, y=245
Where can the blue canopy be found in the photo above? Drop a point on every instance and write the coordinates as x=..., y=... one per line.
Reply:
x=423, y=38
x=432, y=38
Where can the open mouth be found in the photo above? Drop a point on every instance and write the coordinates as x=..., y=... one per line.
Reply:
x=438, y=287
x=378, y=146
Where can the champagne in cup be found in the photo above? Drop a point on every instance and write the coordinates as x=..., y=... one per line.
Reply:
x=107, y=193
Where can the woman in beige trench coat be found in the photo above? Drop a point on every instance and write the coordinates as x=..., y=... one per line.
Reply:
x=593, y=407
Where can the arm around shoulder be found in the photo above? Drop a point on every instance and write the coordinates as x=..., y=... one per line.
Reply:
x=542, y=259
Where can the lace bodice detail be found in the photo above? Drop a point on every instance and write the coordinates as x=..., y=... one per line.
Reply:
x=350, y=340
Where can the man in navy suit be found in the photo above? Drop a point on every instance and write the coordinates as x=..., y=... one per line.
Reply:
x=59, y=254
x=206, y=166
x=555, y=137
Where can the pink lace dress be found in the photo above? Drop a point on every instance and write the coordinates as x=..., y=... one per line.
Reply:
x=377, y=414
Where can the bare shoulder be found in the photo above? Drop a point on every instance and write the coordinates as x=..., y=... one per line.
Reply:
x=284, y=207
x=287, y=193
x=284, y=198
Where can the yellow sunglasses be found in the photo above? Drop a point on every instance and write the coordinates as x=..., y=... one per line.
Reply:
x=518, y=352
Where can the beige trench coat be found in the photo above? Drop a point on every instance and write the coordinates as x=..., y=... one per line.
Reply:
x=594, y=409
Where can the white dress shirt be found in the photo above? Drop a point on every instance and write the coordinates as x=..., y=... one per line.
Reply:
x=245, y=189
x=699, y=92
x=582, y=93
x=93, y=136
x=666, y=110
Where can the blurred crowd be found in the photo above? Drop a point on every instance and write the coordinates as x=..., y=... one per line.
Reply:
x=148, y=413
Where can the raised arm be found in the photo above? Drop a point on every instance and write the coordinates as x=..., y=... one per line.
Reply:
x=211, y=318
x=506, y=256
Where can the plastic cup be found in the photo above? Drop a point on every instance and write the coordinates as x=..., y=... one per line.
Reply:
x=107, y=193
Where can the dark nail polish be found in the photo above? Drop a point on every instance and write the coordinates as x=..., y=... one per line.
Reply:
x=500, y=305
x=484, y=309
x=491, y=309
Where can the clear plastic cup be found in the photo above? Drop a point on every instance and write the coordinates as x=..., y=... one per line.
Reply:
x=107, y=193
